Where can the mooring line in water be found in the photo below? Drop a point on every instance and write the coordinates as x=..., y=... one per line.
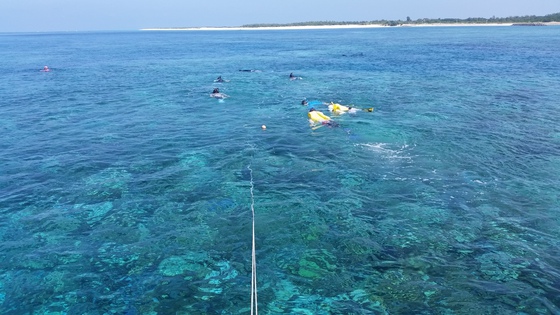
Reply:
x=254, y=304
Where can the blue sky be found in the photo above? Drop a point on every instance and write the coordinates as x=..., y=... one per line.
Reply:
x=83, y=15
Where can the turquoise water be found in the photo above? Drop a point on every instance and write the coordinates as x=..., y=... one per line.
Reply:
x=125, y=188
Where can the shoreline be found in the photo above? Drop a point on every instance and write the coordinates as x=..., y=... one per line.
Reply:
x=317, y=27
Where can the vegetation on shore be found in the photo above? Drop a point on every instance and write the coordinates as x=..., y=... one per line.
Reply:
x=527, y=19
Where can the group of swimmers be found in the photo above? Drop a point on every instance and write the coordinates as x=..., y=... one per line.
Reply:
x=216, y=92
x=318, y=119
x=219, y=95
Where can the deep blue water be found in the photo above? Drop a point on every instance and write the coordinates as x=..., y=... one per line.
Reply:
x=125, y=188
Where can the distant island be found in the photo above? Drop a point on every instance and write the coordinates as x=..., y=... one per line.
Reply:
x=515, y=20
x=528, y=20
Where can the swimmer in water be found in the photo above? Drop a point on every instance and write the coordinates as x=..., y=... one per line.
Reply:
x=45, y=69
x=317, y=117
x=293, y=77
x=217, y=94
x=341, y=109
x=220, y=80
x=312, y=104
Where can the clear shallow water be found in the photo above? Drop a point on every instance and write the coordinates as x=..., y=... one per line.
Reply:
x=125, y=188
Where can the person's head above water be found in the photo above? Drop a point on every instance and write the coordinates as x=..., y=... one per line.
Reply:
x=216, y=90
x=304, y=102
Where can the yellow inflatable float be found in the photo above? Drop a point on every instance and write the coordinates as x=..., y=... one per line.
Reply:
x=341, y=109
x=316, y=116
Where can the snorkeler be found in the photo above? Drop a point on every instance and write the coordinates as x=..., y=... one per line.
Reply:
x=316, y=116
x=312, y=104
x=293, y=77
x=220, y=80
x=341, y=109
x=217, y=94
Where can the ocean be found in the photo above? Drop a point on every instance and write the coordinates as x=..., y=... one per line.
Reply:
x=126, y=189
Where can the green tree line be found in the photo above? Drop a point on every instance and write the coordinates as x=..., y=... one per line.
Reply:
x=555, y=17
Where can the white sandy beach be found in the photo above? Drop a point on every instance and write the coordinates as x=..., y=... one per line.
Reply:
x=314, y=27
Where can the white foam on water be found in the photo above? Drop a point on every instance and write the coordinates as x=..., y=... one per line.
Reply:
x=387, y=150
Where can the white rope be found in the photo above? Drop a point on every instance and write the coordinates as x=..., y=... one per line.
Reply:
x=254, y=304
